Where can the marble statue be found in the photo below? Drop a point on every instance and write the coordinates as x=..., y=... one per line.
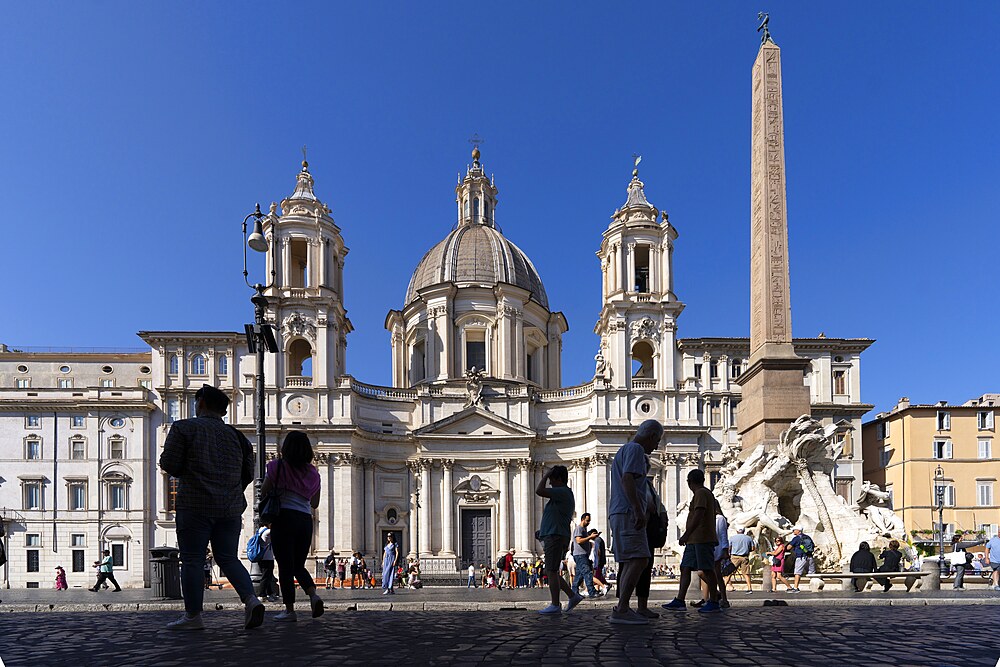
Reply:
x=772, y=490
x=474, y=386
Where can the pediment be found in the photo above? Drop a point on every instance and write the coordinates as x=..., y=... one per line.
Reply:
x=475, y=421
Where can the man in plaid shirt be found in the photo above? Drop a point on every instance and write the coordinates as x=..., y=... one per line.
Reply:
x=214, y=464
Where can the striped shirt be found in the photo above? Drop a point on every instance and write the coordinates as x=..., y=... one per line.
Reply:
x=211, y=460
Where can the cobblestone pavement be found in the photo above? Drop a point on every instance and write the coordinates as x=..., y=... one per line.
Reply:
x=831, y=636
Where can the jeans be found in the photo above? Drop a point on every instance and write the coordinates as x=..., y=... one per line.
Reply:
x=291, y=535
x=585, y=574
x=472, y=581
x=959, y=576
x=194, y=532
x=266, y=587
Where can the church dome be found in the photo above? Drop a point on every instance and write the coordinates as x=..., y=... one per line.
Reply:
x=479, y=254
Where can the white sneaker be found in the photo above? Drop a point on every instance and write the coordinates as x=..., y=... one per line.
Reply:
x=551, y=609
x=573, y=601
x=316, y=604
x=186, y=622
x=253, y=613
x=286, y=616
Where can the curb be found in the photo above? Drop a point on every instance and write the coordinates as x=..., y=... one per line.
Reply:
x=520, y=606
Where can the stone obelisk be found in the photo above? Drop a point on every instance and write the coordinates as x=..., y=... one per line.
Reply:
x=773, y=392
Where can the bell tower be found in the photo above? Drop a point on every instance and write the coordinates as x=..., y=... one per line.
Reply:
x=637, y=324
x=306, y=302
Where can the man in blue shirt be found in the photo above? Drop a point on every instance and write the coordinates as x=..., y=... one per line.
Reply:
x=993, y=553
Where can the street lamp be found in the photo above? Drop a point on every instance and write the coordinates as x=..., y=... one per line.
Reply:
x=260, y=338
x=939, y=492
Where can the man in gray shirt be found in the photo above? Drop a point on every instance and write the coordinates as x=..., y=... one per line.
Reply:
x=740, y=547
x=582, y=540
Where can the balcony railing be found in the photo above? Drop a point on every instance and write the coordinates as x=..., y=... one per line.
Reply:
x=298, y=381
x=644, y=383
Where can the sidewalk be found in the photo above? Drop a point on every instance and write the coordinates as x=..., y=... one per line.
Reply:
x=462, y=599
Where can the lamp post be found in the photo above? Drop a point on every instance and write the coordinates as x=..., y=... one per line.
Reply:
x=939, y=493
x=260, y=338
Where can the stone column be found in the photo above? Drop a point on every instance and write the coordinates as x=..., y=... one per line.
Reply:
x=525, y=519
x=414, y=468
x=425, y=508
x=519, y=348
x=503, y=511
x=371, y=541
x=580, y=492
x=323, y=251
x=447, y=509
x=600, y=483
x=773, y=393
x=286, y=261
x=630, y=268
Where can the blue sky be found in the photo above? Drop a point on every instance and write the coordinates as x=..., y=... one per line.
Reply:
x=136, y=136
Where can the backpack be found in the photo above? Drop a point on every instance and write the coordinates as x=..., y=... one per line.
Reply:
x=501, y=562
x=806, y=545
x=255, y=548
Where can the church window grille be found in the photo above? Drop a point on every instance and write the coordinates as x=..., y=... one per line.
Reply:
x=79, y=561
x=33, y=560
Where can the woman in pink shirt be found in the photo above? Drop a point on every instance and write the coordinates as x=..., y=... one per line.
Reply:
x=297, y=481
x=778, y=564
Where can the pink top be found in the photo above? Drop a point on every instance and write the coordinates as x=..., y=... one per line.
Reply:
x=302, y=481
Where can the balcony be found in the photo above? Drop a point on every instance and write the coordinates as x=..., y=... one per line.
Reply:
x=298, y=381
x=644, y=383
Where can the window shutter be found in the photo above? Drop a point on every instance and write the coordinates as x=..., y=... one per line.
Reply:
x=949, y=453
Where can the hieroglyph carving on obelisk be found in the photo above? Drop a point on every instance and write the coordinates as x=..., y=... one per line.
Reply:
x=770, y=309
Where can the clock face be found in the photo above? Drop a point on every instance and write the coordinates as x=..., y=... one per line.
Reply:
x=475, y=483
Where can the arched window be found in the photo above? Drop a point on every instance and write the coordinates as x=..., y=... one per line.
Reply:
x=300, y=358
x=223, y=365
x=735, y=368
x=642, y=360
x=475, y=208
x=197, y=365
x=174, y=365
x=418, y=369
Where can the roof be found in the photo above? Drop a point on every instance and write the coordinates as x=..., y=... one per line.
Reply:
x=478, y=254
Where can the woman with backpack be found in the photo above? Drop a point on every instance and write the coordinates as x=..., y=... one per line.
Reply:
x=296, y=482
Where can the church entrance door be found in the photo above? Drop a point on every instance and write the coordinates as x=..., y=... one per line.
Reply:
x=477, y=538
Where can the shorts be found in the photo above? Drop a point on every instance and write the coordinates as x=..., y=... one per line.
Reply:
x=742, y=564
x=627, y=542
x=803, y=563
x=555, y=547
x=995, y=566
x=699, y=557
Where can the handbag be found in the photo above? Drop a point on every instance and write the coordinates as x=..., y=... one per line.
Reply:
x=727, y=567
x=270, y=503
x=656, y=526
x=776, y=562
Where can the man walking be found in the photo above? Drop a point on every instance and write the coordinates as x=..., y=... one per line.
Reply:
x=106, y=572
x=506, y=567
x=699, y=540
x=740, y=547
x=582, y=543
x=472, y=576
x=554, y=534
x=801, y=546
x=214, y=464
x=627, y=508
x=599, y=559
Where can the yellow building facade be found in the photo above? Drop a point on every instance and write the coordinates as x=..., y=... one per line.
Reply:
x=903, y=448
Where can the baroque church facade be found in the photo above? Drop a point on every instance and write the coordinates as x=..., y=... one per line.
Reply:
x=447, y=458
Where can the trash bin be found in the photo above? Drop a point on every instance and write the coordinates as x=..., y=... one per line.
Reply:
x=165, y=573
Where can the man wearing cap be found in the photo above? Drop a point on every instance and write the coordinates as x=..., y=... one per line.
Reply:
x=214, y=464
x=802, y=547
x=740, y=547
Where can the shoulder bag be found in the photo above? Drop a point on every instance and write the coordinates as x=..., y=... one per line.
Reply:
x=270, y=503
x=656, y=526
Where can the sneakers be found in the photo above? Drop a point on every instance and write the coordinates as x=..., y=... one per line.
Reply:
x=551, y=609
x=286, y=617
x=710, y=608
x=749, y=592
x=675, y=604
x=725, y=604
x=698, y=603
x=385, y=592
x=253, y=613
x=647, y=613
x=573, y=601
x=629, y=617
x=186, y=622
x=272, y=598
x=316, y=604
x=793, y=590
